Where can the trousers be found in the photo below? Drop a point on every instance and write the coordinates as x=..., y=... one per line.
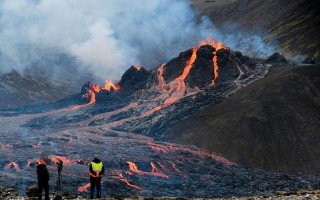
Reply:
x=43, y=186
x=95, y=183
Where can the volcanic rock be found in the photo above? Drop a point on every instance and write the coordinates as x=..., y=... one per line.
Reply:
x=175, y=67
x=7, y=193
x=309, y=60
x=276, y=59
x=134, y=78
x=266, y=125
x=125, y=129
x=201, y=74
x=89, y=90
x=32, y=191
x=89, y=86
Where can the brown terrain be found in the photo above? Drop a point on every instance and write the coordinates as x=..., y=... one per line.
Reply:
x=272, y=124
x=294, y=24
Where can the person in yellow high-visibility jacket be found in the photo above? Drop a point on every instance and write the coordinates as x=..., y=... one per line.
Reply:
x=96, y=170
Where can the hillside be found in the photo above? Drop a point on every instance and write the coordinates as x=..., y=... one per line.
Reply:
x=272, y=124
x=294, y=24
x=45, y=81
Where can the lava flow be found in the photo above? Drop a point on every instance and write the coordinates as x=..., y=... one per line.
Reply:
x=162, y=82
x=217, y=46
x=65, y=160
x=154, y=172
x=12, y=165
x=84, y=188
x=94, y=88
x=91, y=91
x=178, y=85
x=28, y=164
x=123, y=179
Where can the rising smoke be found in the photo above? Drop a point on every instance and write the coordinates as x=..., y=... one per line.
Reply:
x=107, y=37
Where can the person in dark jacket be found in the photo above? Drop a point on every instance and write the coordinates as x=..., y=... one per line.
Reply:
x=43, y=179
x=96, y=170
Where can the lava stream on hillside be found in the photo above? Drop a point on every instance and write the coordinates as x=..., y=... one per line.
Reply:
x=126, y=124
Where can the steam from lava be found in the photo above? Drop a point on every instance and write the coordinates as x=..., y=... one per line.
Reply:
x=107, y=36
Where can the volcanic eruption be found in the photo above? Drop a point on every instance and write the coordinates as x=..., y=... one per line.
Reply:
x=130, y=119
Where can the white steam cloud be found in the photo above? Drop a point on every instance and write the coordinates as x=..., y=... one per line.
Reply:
x=105, y=36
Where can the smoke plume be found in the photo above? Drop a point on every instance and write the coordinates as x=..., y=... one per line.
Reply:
x=106, y=37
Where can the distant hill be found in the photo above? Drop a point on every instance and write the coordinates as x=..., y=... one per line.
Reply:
x=295, y=24
x=46, y=80
x=272, y=124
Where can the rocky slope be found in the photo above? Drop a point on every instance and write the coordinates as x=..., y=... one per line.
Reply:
x=293, y=23
x=272, y=124
x=9, y=194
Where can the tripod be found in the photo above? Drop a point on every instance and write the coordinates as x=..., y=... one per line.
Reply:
x=58, y=183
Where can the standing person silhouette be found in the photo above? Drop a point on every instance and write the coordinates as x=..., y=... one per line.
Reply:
x=43, y=179
x=96, y=170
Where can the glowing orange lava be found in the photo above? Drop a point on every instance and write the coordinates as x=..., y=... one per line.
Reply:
x=178, y=85
x=138, y=68
x=91, y=93
x=28, y=164
x=200, y=153
x=154, y=171
x=162, y=82
x=12, y=165
x=217, y=46
x=123, y=179
x=84, y=188
x=109, y=84
x=65, y=160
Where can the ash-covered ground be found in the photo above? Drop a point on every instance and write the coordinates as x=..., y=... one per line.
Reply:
x=126, y=124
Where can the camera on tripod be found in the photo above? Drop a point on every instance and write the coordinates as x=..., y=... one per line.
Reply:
x=59, y=165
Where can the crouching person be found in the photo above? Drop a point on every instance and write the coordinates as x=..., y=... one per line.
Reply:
x=96, y=171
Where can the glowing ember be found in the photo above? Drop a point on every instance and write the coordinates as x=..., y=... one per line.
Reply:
x=84, y=188
x=109, y=85
x=155, y=172
x=12, y=165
